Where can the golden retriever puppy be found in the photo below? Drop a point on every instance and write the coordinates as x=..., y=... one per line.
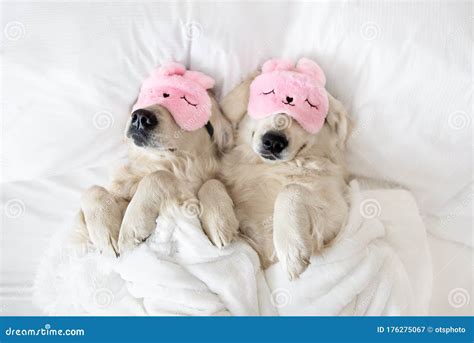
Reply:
x=288, y=185
x=167, y=166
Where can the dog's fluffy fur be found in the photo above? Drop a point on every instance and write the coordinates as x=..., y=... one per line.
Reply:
x=169, y=168
x=289, y=207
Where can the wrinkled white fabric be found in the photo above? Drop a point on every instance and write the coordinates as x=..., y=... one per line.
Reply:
x=378, y=265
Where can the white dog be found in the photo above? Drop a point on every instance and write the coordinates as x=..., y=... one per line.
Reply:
x=167, y=166
x=288, y=185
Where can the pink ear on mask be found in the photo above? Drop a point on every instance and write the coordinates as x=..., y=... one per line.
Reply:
x=171, y=68
x=276, y=64
x=311, y=68
x=205, y=81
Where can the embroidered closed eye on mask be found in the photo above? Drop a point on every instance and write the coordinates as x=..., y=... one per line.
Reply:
x=296, y=90
x=182, y=92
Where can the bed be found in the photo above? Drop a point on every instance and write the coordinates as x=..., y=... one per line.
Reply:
x=71, y=72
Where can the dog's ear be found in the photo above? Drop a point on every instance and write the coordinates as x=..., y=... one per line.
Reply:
x=223, y=134
x=234, y=104
x=338, y=121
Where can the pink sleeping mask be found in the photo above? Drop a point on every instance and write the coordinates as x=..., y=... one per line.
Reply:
x=297, y=91
x=182, y=92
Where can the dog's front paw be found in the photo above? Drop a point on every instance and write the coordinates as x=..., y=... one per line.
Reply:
x=96, y=233
x=294, y=259
x=217, y=213
x=135, y=231
x=220, y=226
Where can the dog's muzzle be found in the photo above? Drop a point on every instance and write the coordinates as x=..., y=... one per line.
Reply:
x=143, y=122
x=273, y=143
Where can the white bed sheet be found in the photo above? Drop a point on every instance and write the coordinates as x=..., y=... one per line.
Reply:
x=71, y=71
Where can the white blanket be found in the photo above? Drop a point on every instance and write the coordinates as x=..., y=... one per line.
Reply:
x=378, y=265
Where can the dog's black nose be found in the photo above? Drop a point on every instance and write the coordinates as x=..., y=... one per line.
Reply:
x=143, y=120
x=289, y=99
x=274, y=142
